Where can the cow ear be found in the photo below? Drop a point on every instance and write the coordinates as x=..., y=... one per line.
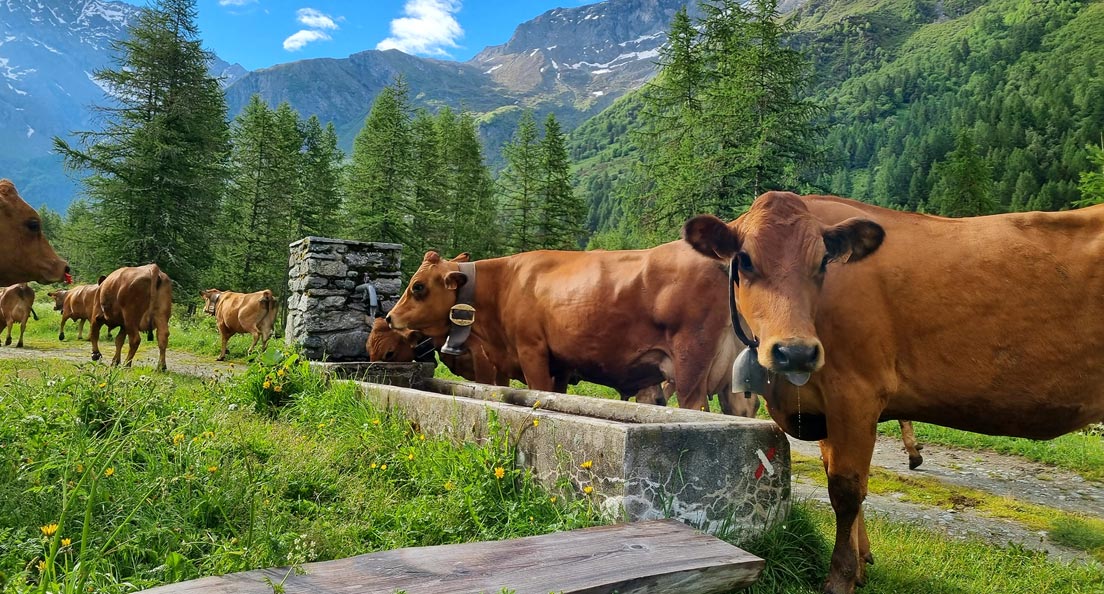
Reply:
x=432, y=257
x=102, y=278
x=454, y=280
x=853, y=239
x=380, y=325
x=414, y=338
x=711, y=236
x=462, y=257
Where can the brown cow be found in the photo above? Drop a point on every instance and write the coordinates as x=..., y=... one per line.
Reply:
x=241, y=313
x=625, y=319
x=16, y=305
x=134, y=299
x=75, y=304
x=25, y=255
x=975, y=323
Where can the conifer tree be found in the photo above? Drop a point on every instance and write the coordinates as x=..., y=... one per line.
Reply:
x=318, y=209
x=1092, y=182
x=157, y=168
x=378, y=180
x=562, y=212
x=474, y=214
x=519, y=184
x=964, y=182
x=430, y=187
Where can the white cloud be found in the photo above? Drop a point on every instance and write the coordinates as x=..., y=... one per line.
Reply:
x=301, y=38
x=235, y=2
x=428, y=28
x=315, y=19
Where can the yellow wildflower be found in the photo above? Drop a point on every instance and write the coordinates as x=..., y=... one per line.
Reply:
x=537, y=404
x=212, y=469
x=49, y=529
x=280, y=372
x=410, y=456
x=552, y=499
x=267, y=384
x=375, y=421
x=179, y=437
x=500, y=472
x=278, y=388
x=321, y=425
x=449, y=486
x=109, y=471
x=383, y=467
x=422, y=437
x=66, y=542
x=588, y=489
x=41, y=566
x=80, y=468
x=373, y=465
x=531, y=519
x=536, y=422
x=587, y=464
x=103, y=385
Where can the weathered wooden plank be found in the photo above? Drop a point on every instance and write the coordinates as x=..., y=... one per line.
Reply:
x=640, y=557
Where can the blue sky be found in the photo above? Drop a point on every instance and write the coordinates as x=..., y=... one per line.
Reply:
x=261, y=33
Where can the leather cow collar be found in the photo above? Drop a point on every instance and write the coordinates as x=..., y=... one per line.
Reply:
x=461, y=315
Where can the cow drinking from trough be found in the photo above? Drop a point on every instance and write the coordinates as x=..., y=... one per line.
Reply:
x=241, y=313
x=16, y=305
x=625, y=319
x=976, y=324
x=135, y=299
x=25, y=255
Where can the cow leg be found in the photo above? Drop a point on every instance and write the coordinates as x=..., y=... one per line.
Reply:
x=22, y=329
x=7, y=341
x=534, y=366
x=225, y=334
x=265, y=335
x=691, y=366
x=80, y=329
x=847, y=452
x=162, y=326
x=120, y=338
x=61, y=332
x=256, y=339
x=908, y=435
x=94, y=336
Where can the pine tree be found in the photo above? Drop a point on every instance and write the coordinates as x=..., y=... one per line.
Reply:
x=158, y=166
x=474, y=216
x=1092, y=182
x=964, y=182
x=518, y=185
x=378, y=180
x=430, y=184
x=562, y=212
x=318, y=209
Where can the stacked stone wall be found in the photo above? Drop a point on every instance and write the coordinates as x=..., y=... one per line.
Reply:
x=327, y=317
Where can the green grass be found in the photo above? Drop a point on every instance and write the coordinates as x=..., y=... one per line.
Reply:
x=1081, y=452
x=154, y=478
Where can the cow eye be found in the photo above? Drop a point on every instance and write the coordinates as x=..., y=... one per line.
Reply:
x=389, y=355
x=418, y=287
x=744, y=261
x=34, y=226
x=824, y=264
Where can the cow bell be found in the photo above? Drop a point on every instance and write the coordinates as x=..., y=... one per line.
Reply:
x=748, y=376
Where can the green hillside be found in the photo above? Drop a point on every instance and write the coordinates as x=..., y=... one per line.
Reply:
x=901, y=79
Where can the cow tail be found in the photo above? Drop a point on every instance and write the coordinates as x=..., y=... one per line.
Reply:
x=33, y=314
x=147, y=320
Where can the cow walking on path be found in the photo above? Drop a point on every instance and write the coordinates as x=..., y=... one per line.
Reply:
x=976, y=324
x=136, y=299
x=75, y=304
x=241, y=313
x=16, y=306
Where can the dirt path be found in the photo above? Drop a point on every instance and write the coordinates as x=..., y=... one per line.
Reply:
x=999, y=474
x=1003, y=475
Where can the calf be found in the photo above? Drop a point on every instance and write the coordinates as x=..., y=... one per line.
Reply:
x=241, y=313
x=25, y=255
x=135, y=299
x=16, y=305
x=75, y=304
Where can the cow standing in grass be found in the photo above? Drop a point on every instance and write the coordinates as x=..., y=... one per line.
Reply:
x=75, y=304
x=241, y=313
x=136, y=299
x=25, y=255
x=975, y=323
x=16, y=306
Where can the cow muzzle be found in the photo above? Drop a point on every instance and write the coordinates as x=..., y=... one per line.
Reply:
x=795, y=356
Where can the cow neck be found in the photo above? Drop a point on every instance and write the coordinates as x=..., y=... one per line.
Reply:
x=462, y=314
x=737, y=320
x=214, y=303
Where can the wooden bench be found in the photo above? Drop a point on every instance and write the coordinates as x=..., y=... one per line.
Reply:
x=652, y=556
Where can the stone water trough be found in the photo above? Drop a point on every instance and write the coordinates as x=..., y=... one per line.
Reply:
x=728, y=476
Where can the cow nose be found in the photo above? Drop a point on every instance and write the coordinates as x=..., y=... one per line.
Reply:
x=794, y=357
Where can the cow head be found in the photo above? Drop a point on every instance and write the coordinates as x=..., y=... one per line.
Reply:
x=25, y=255
x=59, y=298
x=430, y=294
x=210, y=300
x=781, y=253
x=391, y=346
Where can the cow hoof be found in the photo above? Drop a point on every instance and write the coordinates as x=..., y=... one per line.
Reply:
x=96, y=356
x=838, y=587
x=7, y=342
x=61, y=337
x=19, y=345
x=221, y=358
x=915, y=461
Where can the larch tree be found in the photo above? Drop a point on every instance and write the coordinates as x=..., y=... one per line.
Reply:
x=519, y=185
x=474, y=216
x=318, y=209
x=562, y=212
x=157, y=169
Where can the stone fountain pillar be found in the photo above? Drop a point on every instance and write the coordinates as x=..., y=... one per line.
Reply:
x=328, y=318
